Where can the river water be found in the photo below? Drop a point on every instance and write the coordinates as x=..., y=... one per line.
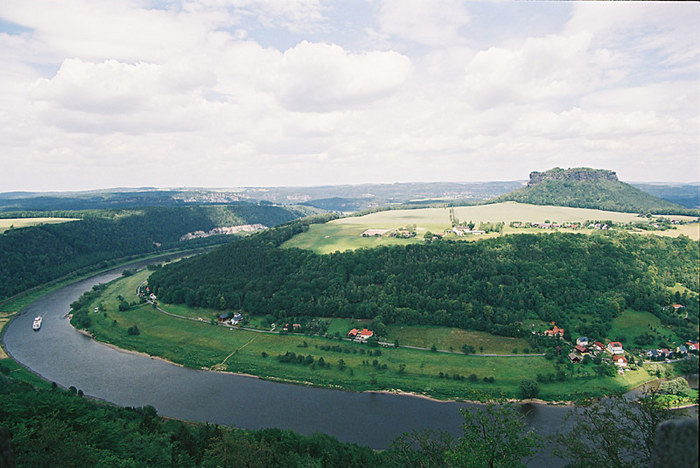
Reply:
x=60, y=354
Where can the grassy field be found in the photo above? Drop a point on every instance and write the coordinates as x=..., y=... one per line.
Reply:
x=345, y=233
x=202, y=345
x=452, y=339
x=6, y=223
x=633, y=323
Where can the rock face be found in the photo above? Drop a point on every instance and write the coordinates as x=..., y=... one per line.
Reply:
x=577, y=174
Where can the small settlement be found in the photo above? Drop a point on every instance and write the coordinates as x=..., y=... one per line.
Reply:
x=614, y=351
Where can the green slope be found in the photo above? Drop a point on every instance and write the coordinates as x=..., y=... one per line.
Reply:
x=590, y=188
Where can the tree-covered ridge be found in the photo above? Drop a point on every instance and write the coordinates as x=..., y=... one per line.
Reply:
x=492, y=285
x=34, y=255
x=590, y=188
x=57, y=428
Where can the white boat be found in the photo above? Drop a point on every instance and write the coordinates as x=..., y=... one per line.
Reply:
x=37, y=323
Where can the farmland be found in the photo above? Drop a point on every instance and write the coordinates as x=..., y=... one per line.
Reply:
x=16, y=223
x=345, y=233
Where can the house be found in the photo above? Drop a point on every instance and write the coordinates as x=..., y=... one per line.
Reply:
x=461, y=230
x=692, y=345
x=296, y=326
x=582, y=341
x=353, y=333
x=654, y=353
x=619, y=361
x=665, y=352
x=677, y=307
x=581, y=349
x=236, y=318
x=222, y=317
x=598, y=346
x=152, y=296
x=556, y=331
x=682, y=349
x=364, y=335
x=575, y=358
x=615, y=347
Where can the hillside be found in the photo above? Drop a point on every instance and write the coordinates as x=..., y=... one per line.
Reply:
x=589, y=188
x=34, y=255
x=493, y=285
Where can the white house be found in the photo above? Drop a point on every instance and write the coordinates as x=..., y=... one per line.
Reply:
x=615, y=347
x=582, y=341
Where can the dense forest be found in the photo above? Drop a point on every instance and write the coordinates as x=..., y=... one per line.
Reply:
x=59, y=428
x=590, y=188
x=492, y=285
x=35, y=255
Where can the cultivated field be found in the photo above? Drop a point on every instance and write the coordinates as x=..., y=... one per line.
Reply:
x=6, y=223
x=345, y=233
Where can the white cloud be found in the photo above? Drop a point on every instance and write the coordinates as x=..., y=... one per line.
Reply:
x=424, y=21
x=322, y=77
x=195, y=90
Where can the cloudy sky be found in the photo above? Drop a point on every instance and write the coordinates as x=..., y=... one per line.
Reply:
x=225, y=93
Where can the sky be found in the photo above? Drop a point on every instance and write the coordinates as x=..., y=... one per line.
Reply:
x=230, y=93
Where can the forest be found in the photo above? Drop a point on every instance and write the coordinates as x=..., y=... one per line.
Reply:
x=493, y=285
x=56, y=427
x=35, y=255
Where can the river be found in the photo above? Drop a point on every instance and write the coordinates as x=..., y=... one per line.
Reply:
x=60, y=354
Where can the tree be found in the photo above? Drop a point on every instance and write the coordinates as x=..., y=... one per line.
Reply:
x=614, y=432
x=529, y=388
x=493, y=436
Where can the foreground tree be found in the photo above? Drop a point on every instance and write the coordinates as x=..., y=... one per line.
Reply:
x=493, y=436
x=614, y=432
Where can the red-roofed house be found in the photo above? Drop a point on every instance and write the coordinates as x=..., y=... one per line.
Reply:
x=692, y=345
x=353, y=333
x=364, y=335
x=620, y=361
x=581, y=349
x=615, y=347
x=598, y=346
x=556, y=331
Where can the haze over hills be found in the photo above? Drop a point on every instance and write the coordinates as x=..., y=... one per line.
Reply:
x=349, y=198
x=328, y=197
x=589, y=188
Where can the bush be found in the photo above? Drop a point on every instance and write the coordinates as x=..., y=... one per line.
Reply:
x=133, y=331
x=529, y=388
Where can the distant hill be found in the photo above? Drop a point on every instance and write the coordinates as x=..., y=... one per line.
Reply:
x=327, y=197
x=687, y=195
x=584, y=187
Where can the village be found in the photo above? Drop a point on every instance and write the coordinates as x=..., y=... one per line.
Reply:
x=614, y=352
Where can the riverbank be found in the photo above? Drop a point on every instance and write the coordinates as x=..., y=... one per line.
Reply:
x=329, y=362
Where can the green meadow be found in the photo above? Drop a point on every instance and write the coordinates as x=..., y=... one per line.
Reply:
x=632, y=323
x=452, y=339
x=345, y=233
x=346, y=365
